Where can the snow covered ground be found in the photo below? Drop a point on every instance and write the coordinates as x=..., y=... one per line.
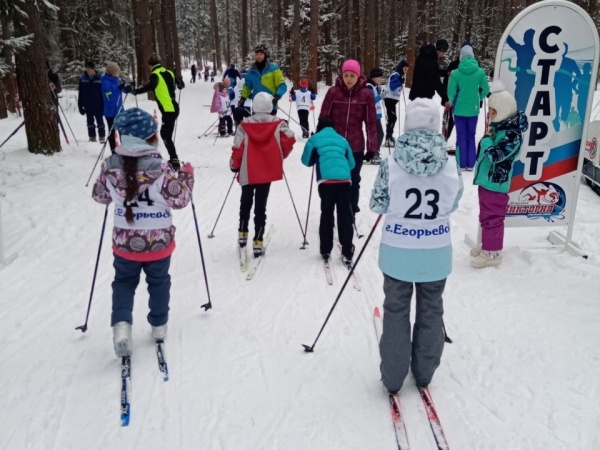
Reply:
x=523, y=371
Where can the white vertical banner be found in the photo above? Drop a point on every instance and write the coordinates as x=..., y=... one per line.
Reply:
x=548, y=58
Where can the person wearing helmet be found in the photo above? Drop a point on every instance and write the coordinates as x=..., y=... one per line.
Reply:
x=427, y=73
x=263, y=76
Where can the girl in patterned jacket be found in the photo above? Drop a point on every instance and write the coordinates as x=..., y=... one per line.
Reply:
x=417, y=188
x=144, y=188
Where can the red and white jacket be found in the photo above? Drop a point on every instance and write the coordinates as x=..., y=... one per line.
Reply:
x=261, y=144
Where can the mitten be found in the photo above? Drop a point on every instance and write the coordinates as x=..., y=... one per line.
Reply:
x=175, y=164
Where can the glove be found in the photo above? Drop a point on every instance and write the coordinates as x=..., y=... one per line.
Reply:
x=187, y=168
x=369, y=156
x=135, y=92
x=175, y=164
x=82, y=110
x=235, y=170
x=125, y=88
x=241, y=102
x=275, y=99
x=292, y=91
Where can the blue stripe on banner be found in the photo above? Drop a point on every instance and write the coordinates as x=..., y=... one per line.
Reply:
x=557, y=154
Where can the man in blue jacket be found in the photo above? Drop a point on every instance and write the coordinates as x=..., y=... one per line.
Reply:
x=263, y=76
x=90, y=101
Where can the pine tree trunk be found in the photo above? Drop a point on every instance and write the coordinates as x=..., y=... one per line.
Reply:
x=369, y=44
x=3, y=109
x=168, y=58
x=411, y=47
x=158, y=36
x=228, y=30
x=10, y=98
x=244, y=30
x=432, y=21
x=40, y=114
x=313, y=64
x=296, y=44
x=174, y=39
x=143, y=39
x=421, y=19
x=328, y=62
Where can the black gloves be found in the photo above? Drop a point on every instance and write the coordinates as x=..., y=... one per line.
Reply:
x=235, y=170
x=82, y=110
x=126, y=88
x=275, y=99
x=369, y=156
x=292, y=91
x=241, y=102
x=175, y=164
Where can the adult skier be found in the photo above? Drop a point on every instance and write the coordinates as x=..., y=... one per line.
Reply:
x=163, y=83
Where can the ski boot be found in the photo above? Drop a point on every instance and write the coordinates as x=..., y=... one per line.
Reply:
x=122, y=338
x=257, y=248
x=242, y=238
x=159, y=332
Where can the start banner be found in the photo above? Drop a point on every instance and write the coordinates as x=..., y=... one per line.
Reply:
x=548, y=58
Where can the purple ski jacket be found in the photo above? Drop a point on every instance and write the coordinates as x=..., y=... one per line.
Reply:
x=349, y=108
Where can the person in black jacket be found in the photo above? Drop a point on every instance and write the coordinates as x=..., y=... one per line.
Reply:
x=90, y=101
x=232, y=73
x=427, y=74
x=194, y=72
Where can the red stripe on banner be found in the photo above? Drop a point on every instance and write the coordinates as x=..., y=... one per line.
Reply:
x=548, y=172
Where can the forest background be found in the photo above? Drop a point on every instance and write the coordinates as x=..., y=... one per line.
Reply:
x=305, y=38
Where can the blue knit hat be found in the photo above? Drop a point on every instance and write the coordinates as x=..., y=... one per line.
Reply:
x=137, y=123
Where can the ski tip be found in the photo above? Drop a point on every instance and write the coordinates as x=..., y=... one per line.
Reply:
x=376, y=312
x=308, y=349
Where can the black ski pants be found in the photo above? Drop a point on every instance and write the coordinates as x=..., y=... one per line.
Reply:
x=91, y=126
x=166, y=132
x=390, y=108
x=225, y=125
x=110, y=122
x=355, y=186
x=335, y=196
x=303, y=116
x=259, y=193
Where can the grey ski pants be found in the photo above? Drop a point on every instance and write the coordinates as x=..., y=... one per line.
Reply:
x=397, y=351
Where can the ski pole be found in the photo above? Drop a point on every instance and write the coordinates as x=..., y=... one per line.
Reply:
x=208, y=305
x=83, y=327
x=294, y=120
x=211, y=235
x=12, y=134
x=177, y=120
x=358, y=235
x=63, y=129
x=68, y=124
x=295, y=210
x=105, y=142
x=312, y=177
x=208, y=130
x=310, y=349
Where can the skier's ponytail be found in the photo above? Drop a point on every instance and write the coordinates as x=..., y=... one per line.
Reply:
x=130, y=167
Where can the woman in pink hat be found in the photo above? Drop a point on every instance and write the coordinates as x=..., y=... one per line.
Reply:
x=350, y=104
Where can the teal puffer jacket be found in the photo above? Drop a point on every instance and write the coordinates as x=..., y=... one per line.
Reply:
x=468, y=85
x=332, y=155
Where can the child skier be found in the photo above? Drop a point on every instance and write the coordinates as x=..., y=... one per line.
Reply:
x=212, y=76
x=113, y=98
x=498, y=151
x=303, y=98
x=391, y=98
x=373, y=84
x=333, y=158
x=144, y=188
x=261, y=144
x=350, y=104
x=416, y=188
x=225, y=120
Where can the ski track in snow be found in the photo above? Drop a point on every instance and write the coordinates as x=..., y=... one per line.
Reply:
x=522, y=372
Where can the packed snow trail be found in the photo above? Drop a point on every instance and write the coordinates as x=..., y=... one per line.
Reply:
x=522, y=373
